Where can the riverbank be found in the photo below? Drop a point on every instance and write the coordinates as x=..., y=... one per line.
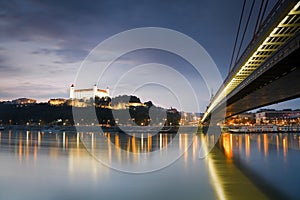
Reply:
x=264, y=129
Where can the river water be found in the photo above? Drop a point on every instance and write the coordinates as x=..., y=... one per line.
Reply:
x=66, y=165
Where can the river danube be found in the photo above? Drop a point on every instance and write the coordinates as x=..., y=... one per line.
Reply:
x=38, y=165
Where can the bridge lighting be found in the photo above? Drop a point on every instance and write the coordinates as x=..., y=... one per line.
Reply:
x=282, y=32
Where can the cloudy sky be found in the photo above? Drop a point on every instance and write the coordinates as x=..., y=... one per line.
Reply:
x=43, y=43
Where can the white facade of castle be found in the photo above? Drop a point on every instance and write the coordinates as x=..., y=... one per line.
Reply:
x=86, y=94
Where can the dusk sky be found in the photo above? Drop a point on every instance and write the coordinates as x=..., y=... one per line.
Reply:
x=43, y=43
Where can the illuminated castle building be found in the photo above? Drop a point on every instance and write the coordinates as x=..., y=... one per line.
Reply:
x=89, y=93
x=23, y=101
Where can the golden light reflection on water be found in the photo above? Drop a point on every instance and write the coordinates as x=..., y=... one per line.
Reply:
x=282, y=142
x=31, y=145
x=185, y=146
x=20, y=147
x=195, y=148
x=266, y=145
x=27, y=145
x=247, y=146
x=39, y=138
x=285, y=146
x=215, y=179
x=149, y=142
x=240, y=138
x=118, y=149
x=240, y=146
x=258, y=143
x=227, y=145
x=277, y=143
x=229, y=181
x=9, y=137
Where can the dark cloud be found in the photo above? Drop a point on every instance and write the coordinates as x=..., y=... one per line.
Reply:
x=70, y=29
x=42, y=51
x=6, y=69
x=68, y=55
x=38, y=93
x=77, y=26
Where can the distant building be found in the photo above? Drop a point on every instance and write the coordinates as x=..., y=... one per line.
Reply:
x=122, y=105
x=88, y=93
x=271, y=116
x=246, y=118
x=23, y=101
x=57, y=102
x=77, y=103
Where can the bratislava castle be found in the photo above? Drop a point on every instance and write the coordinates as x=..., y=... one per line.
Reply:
x=88, y=93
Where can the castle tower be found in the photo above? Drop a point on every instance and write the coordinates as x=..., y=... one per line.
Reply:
x=72, y=89
x=95, y=90
x=107, y=91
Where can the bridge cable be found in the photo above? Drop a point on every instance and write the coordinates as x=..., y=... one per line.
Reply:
x=258, y=18
x=263, y=14
x=246, y=27
x=237, y=35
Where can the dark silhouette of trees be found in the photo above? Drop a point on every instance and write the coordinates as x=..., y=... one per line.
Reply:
x=46, y=114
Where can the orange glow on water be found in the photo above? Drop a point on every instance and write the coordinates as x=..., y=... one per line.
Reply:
x=133, y=145
x=266, y=145
x=186, y=145
x=240, y=144
x=285, y=146
x=117, y=140
x=247, y=145
x=227, y=145
x=165, y=141
x=9, y=137
x=77, y=140
x=20, y=148
x=258, y=143
x=128, y=145
x=34, y=152
x=195, y=147
x=149, y=142
x=277, y=143
x=67, y=142
x=117, y=147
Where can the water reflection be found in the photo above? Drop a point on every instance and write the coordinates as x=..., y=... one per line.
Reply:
x=269, y=160
x=137, y=152
x=34, y=141
x=135, y=143
x=28, y=144
x=216, y=176
x=282, y=141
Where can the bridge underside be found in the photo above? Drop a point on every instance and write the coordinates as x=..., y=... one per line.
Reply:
x=278, y=84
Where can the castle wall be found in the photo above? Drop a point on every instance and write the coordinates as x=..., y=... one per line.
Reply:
x=87, y=93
